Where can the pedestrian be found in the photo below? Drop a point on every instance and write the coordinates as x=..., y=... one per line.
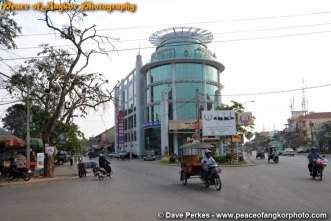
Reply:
x=71, y=158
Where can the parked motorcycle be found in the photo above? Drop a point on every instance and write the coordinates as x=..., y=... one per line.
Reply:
x=23, y=173
x=318, y=167
x=212, y=177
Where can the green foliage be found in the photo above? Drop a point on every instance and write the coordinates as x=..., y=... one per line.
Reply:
x=15, y=120
x=165, y=160
x=9, y=29
x=73, y=137
x=220, y=159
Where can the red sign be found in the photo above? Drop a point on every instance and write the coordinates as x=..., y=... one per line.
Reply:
x=197, y=125
x=120, y=129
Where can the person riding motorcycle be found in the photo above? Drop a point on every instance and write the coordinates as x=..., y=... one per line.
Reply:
x=312, y=156
x=104, y=163
x=206, y=161
x=12, y=165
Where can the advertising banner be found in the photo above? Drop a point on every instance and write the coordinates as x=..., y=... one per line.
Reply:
x=120, y=132
x=219, y=123
x=187, y=125
x=40, y=160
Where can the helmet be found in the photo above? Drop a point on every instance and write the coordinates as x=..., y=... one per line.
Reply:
x=207, y=152
x=313, y=149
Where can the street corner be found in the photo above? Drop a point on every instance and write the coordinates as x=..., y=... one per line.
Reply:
x=248, y=163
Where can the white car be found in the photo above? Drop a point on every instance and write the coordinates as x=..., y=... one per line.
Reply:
x=288, y=151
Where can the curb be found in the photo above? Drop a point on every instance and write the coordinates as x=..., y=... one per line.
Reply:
x=36, y=180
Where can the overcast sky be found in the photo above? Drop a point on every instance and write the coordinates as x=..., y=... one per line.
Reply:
x=268, y=47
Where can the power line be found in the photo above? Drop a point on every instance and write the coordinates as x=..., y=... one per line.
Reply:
x=201, y=22
x=220, y=41
x=275, y=92
x=231, y=32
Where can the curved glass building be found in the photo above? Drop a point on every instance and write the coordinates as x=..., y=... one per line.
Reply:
x=181, y=79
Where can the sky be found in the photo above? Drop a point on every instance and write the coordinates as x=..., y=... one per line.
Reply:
x=271, y=50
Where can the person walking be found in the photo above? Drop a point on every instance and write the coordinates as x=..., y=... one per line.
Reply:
x=71, y=158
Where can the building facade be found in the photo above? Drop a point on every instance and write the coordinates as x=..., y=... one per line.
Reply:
x=159, y=103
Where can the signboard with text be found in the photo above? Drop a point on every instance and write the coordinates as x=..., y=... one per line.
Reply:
x=219, y=123
x=120, y=132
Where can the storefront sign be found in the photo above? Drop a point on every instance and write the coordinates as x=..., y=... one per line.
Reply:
x=152, y=124
x=187, y=125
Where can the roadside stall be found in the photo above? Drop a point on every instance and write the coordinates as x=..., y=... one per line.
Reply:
x=11, y=146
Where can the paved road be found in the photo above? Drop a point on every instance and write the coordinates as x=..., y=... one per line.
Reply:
x=140, y=190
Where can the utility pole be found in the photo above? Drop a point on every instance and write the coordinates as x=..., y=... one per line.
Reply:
x=28, y=125
x=197, y=130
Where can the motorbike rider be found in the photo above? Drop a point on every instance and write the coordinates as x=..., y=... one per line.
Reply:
x=312, y=156
x=12, y=165
x=206, y=161
x=273, y=154
x=104, y=163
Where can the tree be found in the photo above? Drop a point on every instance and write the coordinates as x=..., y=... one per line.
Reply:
x=73, y=137
x=46, y=78
x=15, y=120
x=56, y=79
x=9, y=29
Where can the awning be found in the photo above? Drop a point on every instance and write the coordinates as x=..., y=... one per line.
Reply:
x=10, y=140
x=36, y=143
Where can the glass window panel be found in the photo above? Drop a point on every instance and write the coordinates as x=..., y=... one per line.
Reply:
x=187, y=90
x=186, y=111
x=160, y=73
x=156, y=110
x=188, y=71
x=211, y=73
x=157, y=92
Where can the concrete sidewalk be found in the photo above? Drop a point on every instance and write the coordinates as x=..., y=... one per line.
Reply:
x=61, y=172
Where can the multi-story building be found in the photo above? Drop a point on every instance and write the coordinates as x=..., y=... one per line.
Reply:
x=308, y=125
x=158, y=103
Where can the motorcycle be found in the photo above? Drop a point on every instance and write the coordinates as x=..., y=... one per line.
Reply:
x=212, y=177
x=260, y=154
x=274, y=157
x=318, y=166
x=13, y=173
x=102, y=173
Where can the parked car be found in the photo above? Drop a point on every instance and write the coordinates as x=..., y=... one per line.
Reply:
x=299, y=150
x=119, y=154
x=288, y=151
x=126, y=155
x=149, y=155
x=112, y=155
x=61, y=157
x=306, y=149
